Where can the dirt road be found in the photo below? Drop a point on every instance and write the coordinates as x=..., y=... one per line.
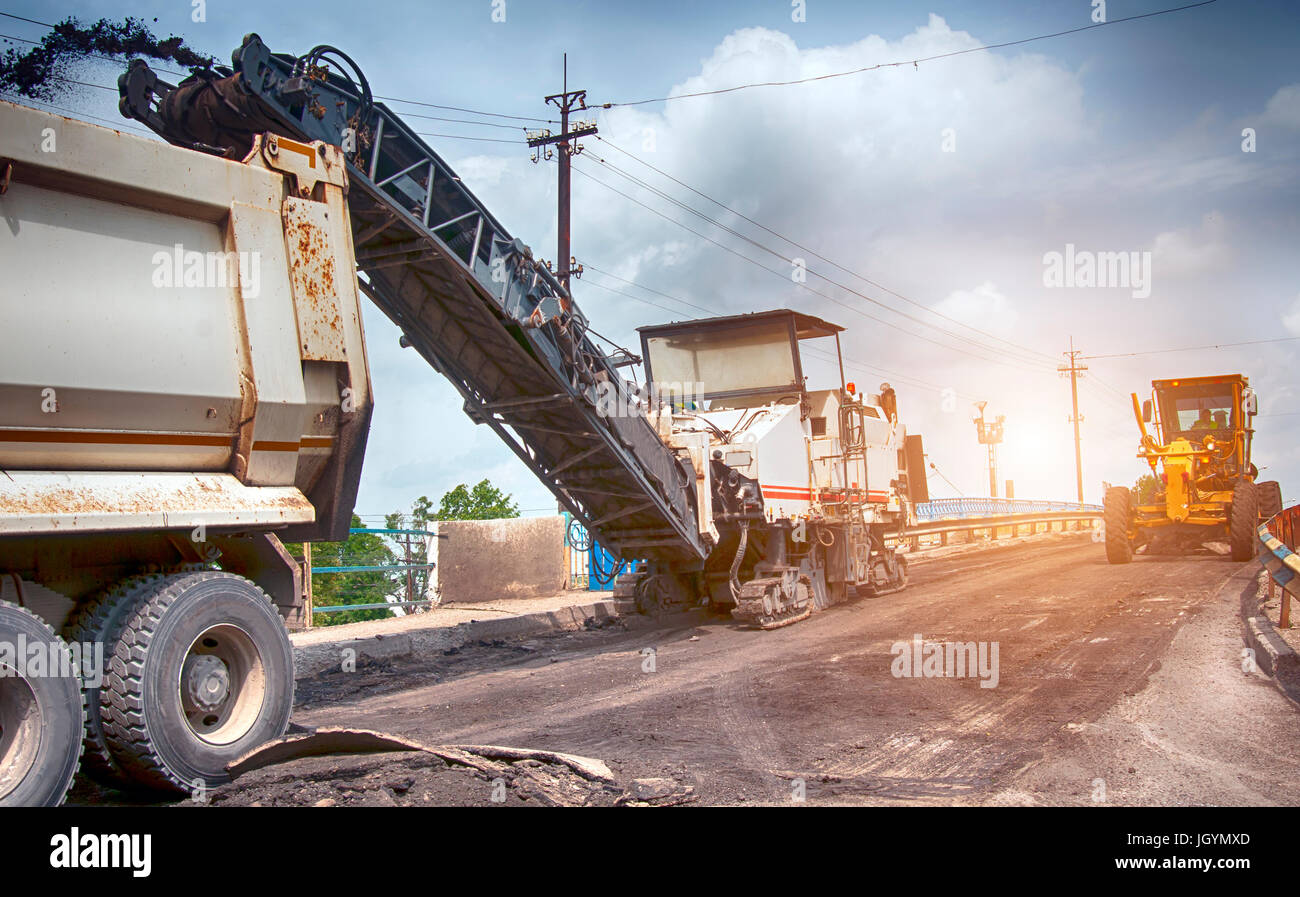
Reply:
x=1117, y=684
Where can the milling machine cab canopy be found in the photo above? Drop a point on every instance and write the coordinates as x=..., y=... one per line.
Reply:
x=743, y=360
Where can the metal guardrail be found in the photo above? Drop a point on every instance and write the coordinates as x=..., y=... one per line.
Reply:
x=991, y=523
x=374, y=568
x=1278, y=538
x=947, y=508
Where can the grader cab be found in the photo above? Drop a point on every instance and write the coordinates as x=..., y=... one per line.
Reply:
x=1199, y=455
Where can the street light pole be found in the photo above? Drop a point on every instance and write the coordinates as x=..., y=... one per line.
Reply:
x=990, y=434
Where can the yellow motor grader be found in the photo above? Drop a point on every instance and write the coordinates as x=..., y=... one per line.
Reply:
x=1200, y=457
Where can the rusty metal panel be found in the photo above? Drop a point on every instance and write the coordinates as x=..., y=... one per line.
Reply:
x=312, y=276
x=48, y=501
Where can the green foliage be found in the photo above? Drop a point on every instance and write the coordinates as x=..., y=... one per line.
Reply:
x=369, y=587
x=483, y=502
x=1145, y=489
x=412, y=549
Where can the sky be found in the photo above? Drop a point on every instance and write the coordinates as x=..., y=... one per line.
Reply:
x=938, y=192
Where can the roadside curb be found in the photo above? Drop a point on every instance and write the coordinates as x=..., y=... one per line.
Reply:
x=1272, y=654
x=310, y=660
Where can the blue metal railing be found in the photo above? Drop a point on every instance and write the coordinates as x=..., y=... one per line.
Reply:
x=374, y=568
x=956, y=508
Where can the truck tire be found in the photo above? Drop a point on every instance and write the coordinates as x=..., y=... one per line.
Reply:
x=41, y=716
x=100, y=621
x=1243, y=520
x=1270, y=499
x=201, y=673
x=1117, y=511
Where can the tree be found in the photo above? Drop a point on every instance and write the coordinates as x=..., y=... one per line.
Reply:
x=483, y=502
x=1145, y=489
x=412, y=548
x=364, y=587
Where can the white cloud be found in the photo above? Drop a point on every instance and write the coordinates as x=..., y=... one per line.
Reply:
x=1283, y=108
x=1291, y=319
x=1192, y=251
x=983, y=307
x=482, y=171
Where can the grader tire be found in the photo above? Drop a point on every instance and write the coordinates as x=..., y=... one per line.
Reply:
x=1270, y=499
x=1118, y=510
x=1243, y=520
x=41, y=714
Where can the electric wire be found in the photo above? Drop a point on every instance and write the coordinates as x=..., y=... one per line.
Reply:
x=912, y=62
x=788, y=260
x=818, y=255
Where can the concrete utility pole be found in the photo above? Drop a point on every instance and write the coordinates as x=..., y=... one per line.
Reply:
x=1074, y=369
x=990, y=434
x=565, y=142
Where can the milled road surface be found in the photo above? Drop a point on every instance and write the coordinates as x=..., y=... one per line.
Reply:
x=1116, y=684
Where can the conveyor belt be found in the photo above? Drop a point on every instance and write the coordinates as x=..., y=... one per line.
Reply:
x=467, y=296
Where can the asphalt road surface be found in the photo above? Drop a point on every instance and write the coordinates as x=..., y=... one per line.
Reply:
x=1114, y=685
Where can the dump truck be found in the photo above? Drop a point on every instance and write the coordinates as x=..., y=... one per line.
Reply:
x=185, y=387
x=1200, y=456
x=182, y=375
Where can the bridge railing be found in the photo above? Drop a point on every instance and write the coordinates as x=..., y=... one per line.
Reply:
x=948, y=508
x=937, y=520
x=1277, y=537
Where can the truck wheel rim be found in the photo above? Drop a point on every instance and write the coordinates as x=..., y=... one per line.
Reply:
x=21, y=724
x=222, y=684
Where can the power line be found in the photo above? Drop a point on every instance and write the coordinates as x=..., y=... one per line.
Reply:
x=806, y=269
x=9, y=15
x=548, y=121
x=125, y=123
x=946, y=480
x=1043, y=355
x=80, y=53
x=464, y=121
x=588, y=266
x=465, y=137
x=1253, y=342
x=420, y=133
x=902, y=378
x=1010, y=362
x=911, y=62
x=181, y=74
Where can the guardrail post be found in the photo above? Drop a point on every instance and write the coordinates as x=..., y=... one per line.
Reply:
x=1284, y=614
x=306, y=584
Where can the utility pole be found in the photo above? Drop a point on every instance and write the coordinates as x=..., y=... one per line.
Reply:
x=565, y=143
x=1074, y=369
x=990, y=434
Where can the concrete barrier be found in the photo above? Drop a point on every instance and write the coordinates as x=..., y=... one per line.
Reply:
x=479, y=560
